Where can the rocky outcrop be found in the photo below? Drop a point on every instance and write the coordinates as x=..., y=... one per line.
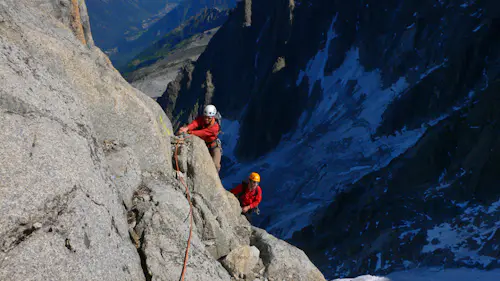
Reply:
x=248, y=13
x=154, y=79
x=270, y=259
x=276, y=256
x=217, y=211
x=241, y=261
x=168, y=100
x=73, y=14
x=76, y=21
x=89, y=190
x=160, y=224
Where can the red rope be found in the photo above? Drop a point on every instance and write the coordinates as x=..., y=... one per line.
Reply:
x=186, y=255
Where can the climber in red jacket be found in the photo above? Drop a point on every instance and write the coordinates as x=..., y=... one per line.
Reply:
x=207, y=128
x=249, y=194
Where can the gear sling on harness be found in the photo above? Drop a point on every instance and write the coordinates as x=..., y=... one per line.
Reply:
x=216, y=142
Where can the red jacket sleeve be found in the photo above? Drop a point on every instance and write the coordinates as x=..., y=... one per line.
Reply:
x=257, y=199
x=195, y=124
x=206, y=132
x=237, y=189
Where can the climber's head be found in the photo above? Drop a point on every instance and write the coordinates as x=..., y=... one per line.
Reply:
x=253, y=180
x=209, y=113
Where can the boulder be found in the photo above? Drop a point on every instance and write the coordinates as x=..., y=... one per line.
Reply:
x=282, y=260
x=241, y=261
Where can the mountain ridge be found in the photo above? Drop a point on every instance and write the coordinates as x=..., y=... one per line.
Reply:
x=183, y=11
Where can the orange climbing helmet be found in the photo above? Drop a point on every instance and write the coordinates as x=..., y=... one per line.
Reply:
x=254, y=177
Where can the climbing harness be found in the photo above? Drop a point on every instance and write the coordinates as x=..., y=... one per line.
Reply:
x=188, y=196
x=214, y=144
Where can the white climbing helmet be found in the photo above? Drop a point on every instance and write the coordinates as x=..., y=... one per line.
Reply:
x=210, y=111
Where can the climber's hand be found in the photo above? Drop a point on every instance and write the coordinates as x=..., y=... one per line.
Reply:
x=182, y=130
x=245, y=209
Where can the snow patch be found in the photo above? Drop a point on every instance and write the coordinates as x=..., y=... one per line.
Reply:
x=379, y=262
x=356, y=168
x=457, y=237
x=467, y=4
x=430, y=274
x=445, y=236
x=432, y=69
x=364, y=278
x=410, y=233
x=316, y=66
x=494, y=207
x=368, y=90
x=477, y=28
